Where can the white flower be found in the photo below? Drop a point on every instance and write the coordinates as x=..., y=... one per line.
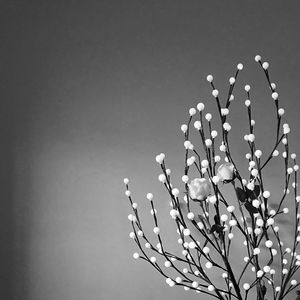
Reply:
x=266, y=194
x=126, y=180
x=251, y=137
x=136, y=255
x=231, y=80
x=226, y=172
x=246, y=286
x=199, y=189
x=247, y=87
x=127, y=193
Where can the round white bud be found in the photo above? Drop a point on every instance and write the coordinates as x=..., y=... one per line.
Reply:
x=293, y=282
x=231, y=80
x=258, y=153
x=200, y=106
x=153, y=259
x=275, y=95
x=240, y=66
x=266, y=269
x=265, y=65
x=126, y=180
x=175, y=192
x=246, y=286
x=230, y=236
x=149, y=196
x=197, y=125
x=215, y=93
x=156, y=230
x=190, y=216
x=211, y=288
x=256, y=251
x=208, y=142
x=136, y=255
x=205, y=250
x=247, y=102
x=280, y=111
x=208, y=117
x=208, y=265
x=256, y=203
x=230, y=208
x=247, y=87
x=162, y=178
x=209, y=78
x=259, y=273
x=268, y=243
x=186, y=232
x=266, y=194
x=127, y=193
x=184, y=128
x=257, y=58
x=275, y=153
x=224, y=111
x=192, y=111
x=214, y=133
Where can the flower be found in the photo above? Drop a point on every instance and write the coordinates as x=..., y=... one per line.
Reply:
x=226, y=172
x=199, y=189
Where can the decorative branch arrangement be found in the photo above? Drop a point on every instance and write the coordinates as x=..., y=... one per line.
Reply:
x=208, y=224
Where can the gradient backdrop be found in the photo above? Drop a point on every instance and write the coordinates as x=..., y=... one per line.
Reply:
x=91, y=91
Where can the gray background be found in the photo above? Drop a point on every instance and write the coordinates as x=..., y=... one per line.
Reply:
x=91, y=91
